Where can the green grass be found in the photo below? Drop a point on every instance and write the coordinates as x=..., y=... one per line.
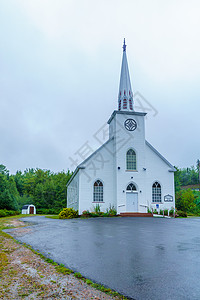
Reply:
x=62, y=269
x=78, y=275
x=52, y=217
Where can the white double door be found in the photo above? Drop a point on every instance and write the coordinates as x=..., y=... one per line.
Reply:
x=131, y=201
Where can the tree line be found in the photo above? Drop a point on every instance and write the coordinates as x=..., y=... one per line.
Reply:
x=47, y=190
x=43, y=188
x=186, y=176
x=187, y=200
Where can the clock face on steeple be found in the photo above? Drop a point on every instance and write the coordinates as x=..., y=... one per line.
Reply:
x=130, y=124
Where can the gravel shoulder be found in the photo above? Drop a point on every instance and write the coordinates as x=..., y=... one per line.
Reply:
x=25, y=275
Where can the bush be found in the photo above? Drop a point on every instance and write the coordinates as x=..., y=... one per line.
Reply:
x=111, y=212
x=161, y=212
x=94, y=215
x=86, y=214
x=2, y=213
x=48, y=211
x=155, y=211
x=181, y=213
x=166, y=212
x=185, y=201
x=171, y=212
x=68, y=213
x=97, y=209
x=7, y=213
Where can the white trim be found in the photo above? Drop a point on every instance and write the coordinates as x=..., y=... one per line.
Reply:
x=133, y=113
x=135, y=170
x=72, y=177
x=80, y=166
x=152, y=192
x=95, y=152
x=134, y=185
x=162, y=157
x=93, y=191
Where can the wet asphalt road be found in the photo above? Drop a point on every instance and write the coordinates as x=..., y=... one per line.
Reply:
x=143, y=258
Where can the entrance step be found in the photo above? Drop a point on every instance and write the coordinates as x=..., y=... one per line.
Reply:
x=135, y=214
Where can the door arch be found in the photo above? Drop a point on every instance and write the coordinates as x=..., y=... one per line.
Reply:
x=131, y=198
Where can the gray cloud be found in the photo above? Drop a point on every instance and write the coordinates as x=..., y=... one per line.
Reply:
x=59, y=74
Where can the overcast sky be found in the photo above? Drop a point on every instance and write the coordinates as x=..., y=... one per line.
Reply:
x=60, y=65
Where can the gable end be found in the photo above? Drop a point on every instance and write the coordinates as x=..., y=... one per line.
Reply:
x=162, y=157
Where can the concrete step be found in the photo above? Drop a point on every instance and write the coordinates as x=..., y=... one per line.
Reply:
x=135, y=214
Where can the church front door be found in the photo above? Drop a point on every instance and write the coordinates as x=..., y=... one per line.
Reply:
x=131, y=201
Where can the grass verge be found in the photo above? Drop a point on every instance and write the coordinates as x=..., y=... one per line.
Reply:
x=4, y=224
x=60, y=268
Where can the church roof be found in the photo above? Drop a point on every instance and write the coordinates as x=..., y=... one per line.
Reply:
x=125, y=97
x=95, y=152
x=81, y=165
x=132, y=113
x=162, y=157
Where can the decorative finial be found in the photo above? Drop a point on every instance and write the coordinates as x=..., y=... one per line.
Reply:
x=124, y=46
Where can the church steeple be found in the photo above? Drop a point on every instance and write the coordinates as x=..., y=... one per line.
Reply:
x=125, y=98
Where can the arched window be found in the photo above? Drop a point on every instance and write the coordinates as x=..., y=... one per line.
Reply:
x=131, y=187
x=98, y=191
x=156, y=192
x=131, y=160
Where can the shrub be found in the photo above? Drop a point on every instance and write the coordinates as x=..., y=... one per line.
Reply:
x=111, y=212
x=166, y=212
x=181, y=213
x=2, y=213
x=86, y=214
x=106, y=214
x=6, y=213
x=185, y=200
x=161, y=212
x=171, y=212
x=48, y=211
x=13, y=213
x=94, y=215
x=68, y=213
x=155, y=211
x=97, y=211
x=97, y=208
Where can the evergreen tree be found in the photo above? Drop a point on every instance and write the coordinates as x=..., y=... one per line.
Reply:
x=43, y=188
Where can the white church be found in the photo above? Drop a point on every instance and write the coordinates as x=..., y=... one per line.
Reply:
x=126, y=172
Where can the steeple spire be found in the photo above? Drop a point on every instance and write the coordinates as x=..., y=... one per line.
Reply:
x=125, y=98
x=124, y=46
